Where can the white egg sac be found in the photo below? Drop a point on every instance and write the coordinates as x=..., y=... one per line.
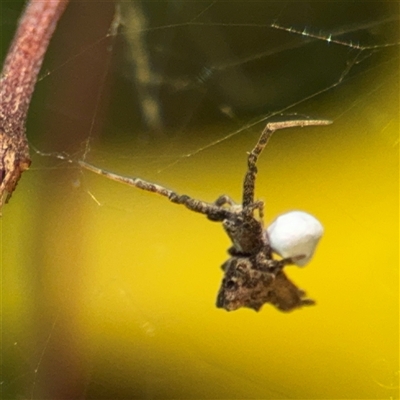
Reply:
x=295, y=235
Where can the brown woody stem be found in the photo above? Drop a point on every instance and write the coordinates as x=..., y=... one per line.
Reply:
x=17, y=82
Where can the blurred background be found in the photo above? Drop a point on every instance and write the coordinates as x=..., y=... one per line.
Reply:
x=109, y=292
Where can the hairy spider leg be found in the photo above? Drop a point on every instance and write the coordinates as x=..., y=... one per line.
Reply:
x=250, y=177
x=213, y=211
x=225, y=200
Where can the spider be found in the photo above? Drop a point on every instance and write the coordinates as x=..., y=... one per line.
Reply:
x=252, y=276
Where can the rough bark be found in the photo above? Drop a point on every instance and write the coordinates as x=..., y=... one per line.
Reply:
x=17, y=83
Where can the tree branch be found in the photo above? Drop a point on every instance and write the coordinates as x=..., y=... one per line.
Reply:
x=17, y=82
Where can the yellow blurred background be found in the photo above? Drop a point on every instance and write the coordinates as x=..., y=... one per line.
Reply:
x=124, y=287
x=114, y=289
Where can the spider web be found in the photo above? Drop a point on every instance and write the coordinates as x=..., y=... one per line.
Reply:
x=108, y=292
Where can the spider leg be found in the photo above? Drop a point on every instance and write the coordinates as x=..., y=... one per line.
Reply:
x=223, y=200
x=257, y=205
x=282, y=264
x=250, y=177
x=213, y=212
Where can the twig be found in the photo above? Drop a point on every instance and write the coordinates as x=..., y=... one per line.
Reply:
x=17, y=82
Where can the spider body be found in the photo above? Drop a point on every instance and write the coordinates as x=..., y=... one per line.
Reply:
x=255, y=280
x=245, y=233
x=252, y=277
